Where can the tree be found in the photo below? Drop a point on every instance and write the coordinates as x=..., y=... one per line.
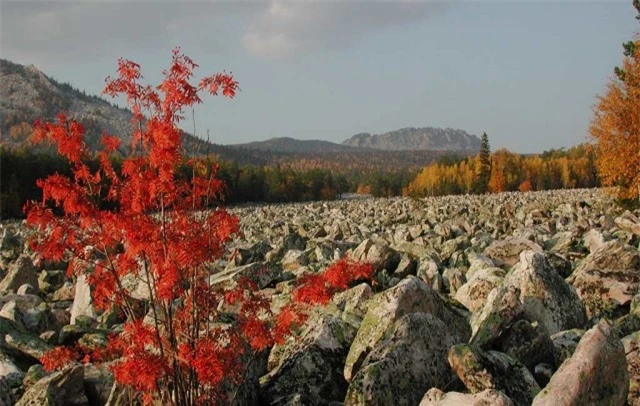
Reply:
x=616, y=125
x=158, y=233
x=485, y=165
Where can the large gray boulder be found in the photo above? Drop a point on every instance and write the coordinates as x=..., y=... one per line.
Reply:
x=412, y=358
x=21, y=271
x=527, y=342
x=596, y=374
x=480, y=370
x=607, y=278
x=10, y=372
x=411, y=295
x=545, y=296
x=501, y=310
x=64, y=388
x=311, y=368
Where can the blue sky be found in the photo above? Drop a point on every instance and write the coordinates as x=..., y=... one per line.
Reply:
x=527, y=73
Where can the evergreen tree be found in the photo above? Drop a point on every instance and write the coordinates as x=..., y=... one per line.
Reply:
x=485, y=165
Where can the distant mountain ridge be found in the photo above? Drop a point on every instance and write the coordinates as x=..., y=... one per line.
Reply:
x=404, y=139
x=27, y=94
x=411, y=139
x=292, y=145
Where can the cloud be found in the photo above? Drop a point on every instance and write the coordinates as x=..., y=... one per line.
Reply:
x=67, y=31
x=287, y=28
x=74, y=31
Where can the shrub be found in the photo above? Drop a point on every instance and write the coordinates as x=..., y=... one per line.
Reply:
x=155, y=231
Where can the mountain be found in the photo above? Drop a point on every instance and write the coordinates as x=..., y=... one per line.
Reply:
x=27, y=94
x=412, y=139
x=292, y=145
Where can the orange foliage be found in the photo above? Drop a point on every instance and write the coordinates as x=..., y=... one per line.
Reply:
x=525, y=186
x=159, y=232
x=616, y=129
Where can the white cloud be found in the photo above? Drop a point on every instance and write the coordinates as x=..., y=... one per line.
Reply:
x=288, y=28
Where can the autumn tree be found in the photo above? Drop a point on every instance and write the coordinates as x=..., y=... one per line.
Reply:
x=157, y=235
x=616, y=125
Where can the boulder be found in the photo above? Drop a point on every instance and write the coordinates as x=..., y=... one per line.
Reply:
x=627, y=221
x=453, y=279
x=592, y=239
x=500, y=311
x=407, y=266
x=21, y=271
x=565, y=344
x=480, y=370
x=10, y=372
x=607, y=278
x=294, y=259
x=411, y=295
x=474, y=292
x=412, y=358
x=596, y=373
x=545, y=296
x=98, y=381
x=631, y=344
x=29, y=311
x=312, y=367
x=16, y=340
x=64, y=388
x=353, y=303
x=82, y=302
x=488, y=397
x=527, y=342
x=10, y=244
x=506, y=253
x=263, y=274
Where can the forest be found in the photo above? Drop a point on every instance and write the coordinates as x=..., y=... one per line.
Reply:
x=554, y=169
x=506, y=171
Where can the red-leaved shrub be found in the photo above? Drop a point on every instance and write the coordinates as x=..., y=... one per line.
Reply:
x=142, y=223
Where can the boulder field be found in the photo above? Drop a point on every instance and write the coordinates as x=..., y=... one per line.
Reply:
x=504, y=299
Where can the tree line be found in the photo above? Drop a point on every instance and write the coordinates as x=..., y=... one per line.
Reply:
x=20, y=169
x=506, y=171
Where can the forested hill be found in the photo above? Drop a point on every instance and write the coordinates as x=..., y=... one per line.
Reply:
x=27, y=94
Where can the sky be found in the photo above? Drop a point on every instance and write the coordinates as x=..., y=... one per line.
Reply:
x=525, y=72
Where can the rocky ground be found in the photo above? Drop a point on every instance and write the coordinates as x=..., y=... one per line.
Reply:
x=510, y=299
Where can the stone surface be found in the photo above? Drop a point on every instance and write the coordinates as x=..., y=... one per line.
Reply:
x=475, y=291
x=412, y=358
x=312, y=367
x=596, y=373
x=21, y=272
x=608, y=277
x=488, y=397
x=480, y=370
x=409, y=296
x=631, y=344
x=507, y=252
x=64, y=388
x=545, y=296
